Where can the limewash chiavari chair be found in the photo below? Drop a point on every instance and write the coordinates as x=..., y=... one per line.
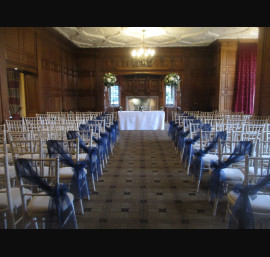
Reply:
x=72, y=171
x=53, y=210
x=224, y=174
x=15, y=125
x=249, y=202
x=10, y=197
x=208, y=152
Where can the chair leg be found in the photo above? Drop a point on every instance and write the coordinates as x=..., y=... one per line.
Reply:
x=198, y=185
x=93, y=182
x=35, y=223
x=81, y=206
x=227, y=216
x=5, y=220
x=215, y=206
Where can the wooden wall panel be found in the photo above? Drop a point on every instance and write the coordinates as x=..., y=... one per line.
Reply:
x=31, y=92
x=228, y=52
x=21, y=48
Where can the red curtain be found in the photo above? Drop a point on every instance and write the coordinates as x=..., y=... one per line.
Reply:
x=245, y=78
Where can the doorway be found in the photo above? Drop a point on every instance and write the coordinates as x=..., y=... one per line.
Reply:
x=22, y=93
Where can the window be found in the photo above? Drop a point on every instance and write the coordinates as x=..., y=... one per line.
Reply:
x=114, y=96
x=170, y=96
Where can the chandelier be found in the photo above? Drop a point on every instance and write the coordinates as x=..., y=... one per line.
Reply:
x=143, y=56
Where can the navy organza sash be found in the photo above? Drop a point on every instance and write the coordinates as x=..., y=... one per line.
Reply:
x=106, y=142
x=170, y=130
x=79, y=186
x=60, y=208
x=101, y=145
x=92, y=160
x=188, y=151
x=116, y=128
x=181, y=138
x=197, y=161
x=217, y=179
x=112, y=135
x=242, y=216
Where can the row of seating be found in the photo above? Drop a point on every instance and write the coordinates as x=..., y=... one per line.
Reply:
x=235, y=159
x=46, y=173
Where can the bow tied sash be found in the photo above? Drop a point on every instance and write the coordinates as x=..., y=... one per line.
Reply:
x=217, y=179
x=60, y=205
x=242, y=211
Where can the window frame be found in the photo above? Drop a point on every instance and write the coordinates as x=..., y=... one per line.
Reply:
x=174, y=99
x=110, y=97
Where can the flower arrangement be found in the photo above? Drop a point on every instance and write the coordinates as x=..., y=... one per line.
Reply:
x=161, y=108
x=109, y=79
x=141, y=108
x=120, y=108
x=172, y=79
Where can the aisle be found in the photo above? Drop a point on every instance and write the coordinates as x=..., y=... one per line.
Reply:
x=144, y=187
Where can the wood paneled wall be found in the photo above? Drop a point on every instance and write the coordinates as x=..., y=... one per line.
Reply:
x=62, y=77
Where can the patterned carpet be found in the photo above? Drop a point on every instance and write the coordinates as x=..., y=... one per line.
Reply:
x=144, y=186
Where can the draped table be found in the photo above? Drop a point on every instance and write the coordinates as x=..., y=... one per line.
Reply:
x=141, y=120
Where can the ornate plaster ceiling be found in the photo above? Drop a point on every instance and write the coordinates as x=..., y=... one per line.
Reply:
x=99, y=37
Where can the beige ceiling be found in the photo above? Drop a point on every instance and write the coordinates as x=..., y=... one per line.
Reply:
x=98, y=37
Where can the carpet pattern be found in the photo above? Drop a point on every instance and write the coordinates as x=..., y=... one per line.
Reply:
x=144, y=186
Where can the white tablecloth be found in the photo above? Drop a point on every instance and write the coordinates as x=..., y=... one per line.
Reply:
x=145, y=120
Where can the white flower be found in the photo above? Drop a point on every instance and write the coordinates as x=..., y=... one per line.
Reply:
x=172, y=79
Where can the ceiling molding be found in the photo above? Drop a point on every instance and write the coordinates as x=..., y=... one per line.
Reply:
x=118, y=37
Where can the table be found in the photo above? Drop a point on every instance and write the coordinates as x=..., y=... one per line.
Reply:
x=141, y=120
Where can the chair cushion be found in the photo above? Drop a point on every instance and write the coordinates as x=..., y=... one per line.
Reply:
x=11, y=170
x=264, y=171
x=259, y=205
x=209, y=157
x=9, y=156
x=30, y=156
x=15, y=195
x=38, y=205
x=233, y=174
x=67, y=172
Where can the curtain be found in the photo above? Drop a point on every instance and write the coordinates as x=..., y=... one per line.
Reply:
x=245, y=78
x=14, y=93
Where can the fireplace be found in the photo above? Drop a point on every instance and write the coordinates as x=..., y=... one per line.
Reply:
x=149, y=103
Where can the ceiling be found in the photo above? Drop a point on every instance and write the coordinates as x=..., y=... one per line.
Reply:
x=99, y=37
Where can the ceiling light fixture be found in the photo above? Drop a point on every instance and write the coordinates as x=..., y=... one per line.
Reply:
x=143, y=56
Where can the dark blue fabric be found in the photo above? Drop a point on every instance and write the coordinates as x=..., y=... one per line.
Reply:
x=60, y=206
x=93, y=164
x=217, y=179
x=181, y=138
x=188, y=149
x=242, y=216
x=79, y=184
x=197, y=160
x=112, y=135
x=170, y=130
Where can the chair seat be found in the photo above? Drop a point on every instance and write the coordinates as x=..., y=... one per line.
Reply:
x=233, y=174
x=82, y=156
x=2, y=147
x=11, y=169
x=207, y=158
x=263, y=172
x=9, y=155
x=16, y=197
x=67, y=172
x=38, y=205
x=261, y=204
x=30, y=156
